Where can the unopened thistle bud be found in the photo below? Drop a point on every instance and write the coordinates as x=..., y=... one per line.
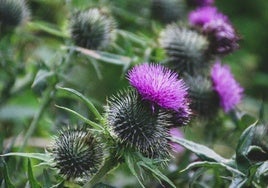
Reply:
x=185, y=48
x=167, y=11
x=77, y=153
x=204, y=101
x=13, y=13
x=135, y=125
x=92, y=29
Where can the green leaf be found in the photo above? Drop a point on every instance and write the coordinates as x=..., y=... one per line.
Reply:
x=48, y=28
x=40, y=156
x=157, y=172
x=212, y=165
x=243, y=147
x=91, y=123
x=7, y=181
x=262, y=173
x=201, y=151
x=130, y=163
x=85, y=100
x=32, y=180
x=238, y=182
x=41, y=76
x=104, y=56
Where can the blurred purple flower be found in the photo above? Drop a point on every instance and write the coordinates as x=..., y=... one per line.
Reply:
x=159, y=85
x=176, y=133
x=217, y=26
x=228, y=89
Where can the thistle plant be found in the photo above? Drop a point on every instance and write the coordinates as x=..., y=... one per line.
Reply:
x=92, y=29
x=185, y=48
x=12, y=14
x=76, y=153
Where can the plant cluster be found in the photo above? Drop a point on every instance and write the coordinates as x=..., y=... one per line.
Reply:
x=117, y=102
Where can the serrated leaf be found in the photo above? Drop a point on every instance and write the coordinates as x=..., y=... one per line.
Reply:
x=157, y=172
x=212, y=165
x=201, y=151
x=33, y=182
x=130, y=163
x=7, y=181
x=85, y=100
x=40, y=156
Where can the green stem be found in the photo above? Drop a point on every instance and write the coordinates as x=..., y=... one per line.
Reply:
x=108, y=165
x=37, y=116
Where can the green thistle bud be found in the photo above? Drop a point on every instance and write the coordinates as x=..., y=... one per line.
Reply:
x=167, y=11
x=92, y=29
x=185, y=49
x=13, y=13
x=204, y=101
x=135, y=125
x=77, y=153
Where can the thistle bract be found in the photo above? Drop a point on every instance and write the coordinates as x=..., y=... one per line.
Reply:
x=92, y=29
x=185, y=48
x=13, y=13
x=135, y=125
x=159, y=85
x=77, y=153
x=227, y=88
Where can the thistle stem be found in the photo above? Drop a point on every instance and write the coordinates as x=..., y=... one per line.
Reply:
x=37, y=116
x=109, y=164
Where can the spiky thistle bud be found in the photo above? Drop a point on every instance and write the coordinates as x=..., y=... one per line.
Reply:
x=167, y=11
x=92, y=29
x=13, y=13
x=185, y=48
x=204, y=101
x=135, y=125
x=77, y=153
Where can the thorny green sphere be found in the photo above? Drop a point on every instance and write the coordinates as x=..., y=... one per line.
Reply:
x=77, y=153
x=13, y=13
x=185, y=48
x=92, y=29
x=136, y=125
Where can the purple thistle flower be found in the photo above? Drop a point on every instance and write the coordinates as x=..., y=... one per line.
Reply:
x=176, y=133
x=159, y=85
x=217, y=26
x=224, y=83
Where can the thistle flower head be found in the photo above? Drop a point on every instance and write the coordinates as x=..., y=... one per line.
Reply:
x=13, y=13
x=167, y=11
x=227, y=88
x=176, y=133
x=159, y=85
x=135, y=125
x=92, y=29
x=222, y=35
x=77, y=153
x=204, y=101
x=185, y=48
